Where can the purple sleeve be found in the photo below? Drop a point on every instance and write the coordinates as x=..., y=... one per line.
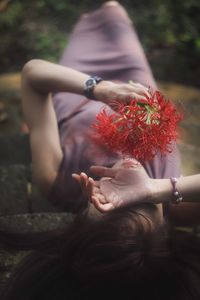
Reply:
x=66, y=193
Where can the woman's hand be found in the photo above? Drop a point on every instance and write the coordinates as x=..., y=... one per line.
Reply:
x=89, y=186
x=124, y=184
x=108, y=91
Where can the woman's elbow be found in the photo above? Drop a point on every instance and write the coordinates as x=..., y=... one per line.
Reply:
x=30, y=69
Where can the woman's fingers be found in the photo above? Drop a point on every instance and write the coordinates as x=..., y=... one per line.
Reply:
x=91, y=189
x=138, y=91
x=139, y=88
x=89, y=186
x=127, y=97
x=103, y=171
x=76, y=177
x=109, y=92
x=131, y=163
x=84, y=182
x=82, y=179
x=102, y=207
x=137, y=96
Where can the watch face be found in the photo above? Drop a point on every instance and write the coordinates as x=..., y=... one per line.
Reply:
x=91, y=82
x=89, y=86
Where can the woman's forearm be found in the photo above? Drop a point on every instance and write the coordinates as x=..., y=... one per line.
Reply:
x=188, y=187
x=45, y=77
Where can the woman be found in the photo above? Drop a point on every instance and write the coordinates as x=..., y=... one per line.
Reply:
x=117, y=253
x=103, y=43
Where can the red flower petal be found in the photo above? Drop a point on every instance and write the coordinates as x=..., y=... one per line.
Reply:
x=140, y=129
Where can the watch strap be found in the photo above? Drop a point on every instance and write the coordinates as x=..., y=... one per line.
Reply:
x=89, y=85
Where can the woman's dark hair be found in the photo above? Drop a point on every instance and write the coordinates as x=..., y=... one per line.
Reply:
x=117, y=255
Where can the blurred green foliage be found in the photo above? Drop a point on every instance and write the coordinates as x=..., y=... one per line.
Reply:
x=169, y=31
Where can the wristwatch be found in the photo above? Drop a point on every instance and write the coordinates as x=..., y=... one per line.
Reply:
x=89, y=86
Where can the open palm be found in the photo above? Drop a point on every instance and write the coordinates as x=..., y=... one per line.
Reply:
x=123, y=184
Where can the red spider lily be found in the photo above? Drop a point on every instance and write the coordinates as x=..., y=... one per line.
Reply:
x=140, y=129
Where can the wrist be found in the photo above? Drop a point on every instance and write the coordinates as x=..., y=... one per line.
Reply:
x=89, y=86
x=161, y=191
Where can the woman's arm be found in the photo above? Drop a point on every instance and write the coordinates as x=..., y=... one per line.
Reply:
x=186, y=213
x=46, y=77
x=39, y=79
x=188, y=187
x=130, y=184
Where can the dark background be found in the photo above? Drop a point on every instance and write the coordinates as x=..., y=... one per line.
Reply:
x=169, y=31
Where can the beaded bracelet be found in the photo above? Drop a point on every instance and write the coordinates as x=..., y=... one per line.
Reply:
x=177, y=197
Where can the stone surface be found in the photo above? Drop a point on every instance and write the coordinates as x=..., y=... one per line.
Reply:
x=35, y=222
x=15, y=149
x=18, y=194
x=13, y=189
x=40, y=203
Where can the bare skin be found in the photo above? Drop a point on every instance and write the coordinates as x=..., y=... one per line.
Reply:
x=125, y=183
